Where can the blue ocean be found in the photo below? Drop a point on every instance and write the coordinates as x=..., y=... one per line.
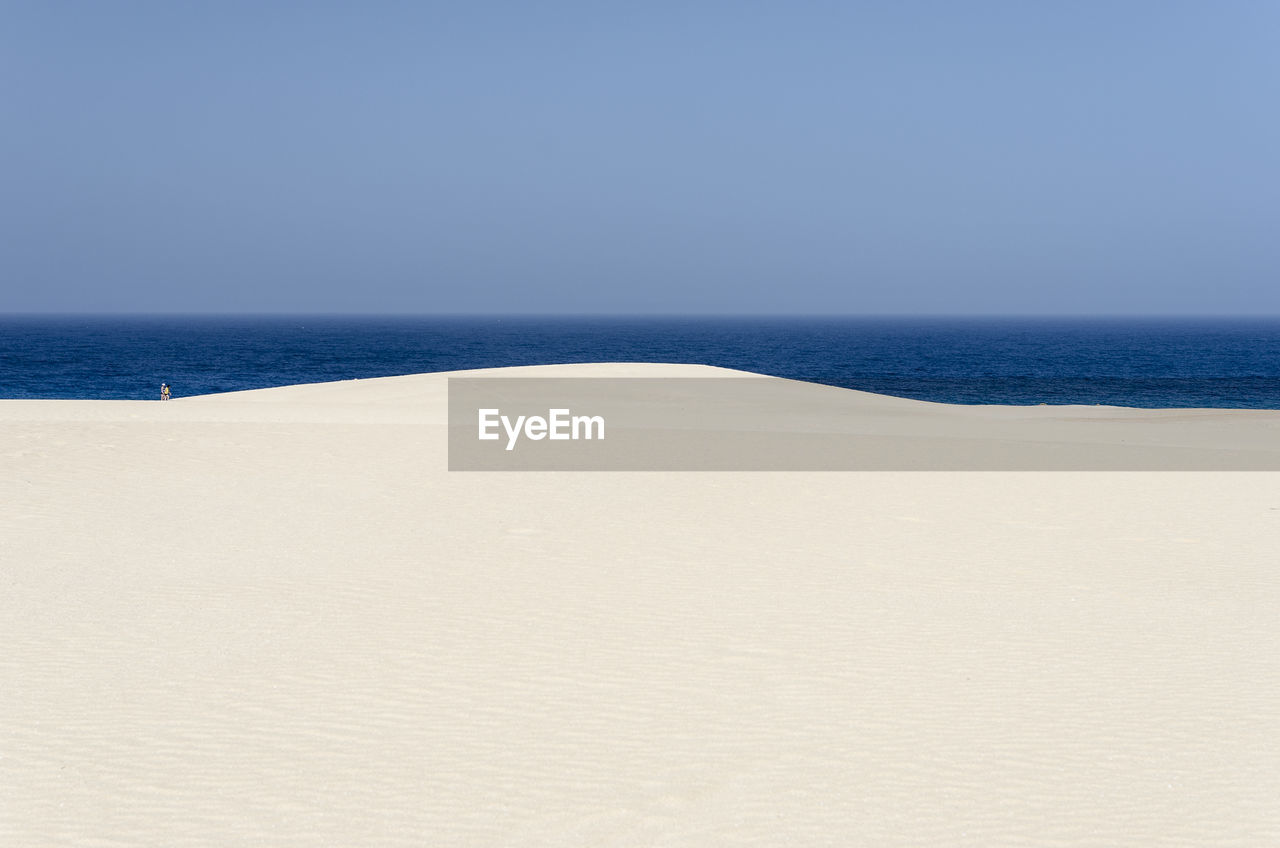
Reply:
x=1126, y=362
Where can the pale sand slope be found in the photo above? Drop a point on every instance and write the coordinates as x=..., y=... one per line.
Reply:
x=273, y=618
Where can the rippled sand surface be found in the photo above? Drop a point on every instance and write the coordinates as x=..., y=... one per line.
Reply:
x=273, y=618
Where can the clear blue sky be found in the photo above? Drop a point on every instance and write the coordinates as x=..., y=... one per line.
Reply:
x=890, y=157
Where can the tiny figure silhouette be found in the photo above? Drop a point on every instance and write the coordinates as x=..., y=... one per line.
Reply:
x=164, y=391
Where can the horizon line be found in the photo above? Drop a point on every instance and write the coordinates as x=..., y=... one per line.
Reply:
x=624, y=315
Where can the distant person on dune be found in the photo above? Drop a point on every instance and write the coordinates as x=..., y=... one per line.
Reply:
x=164, y=391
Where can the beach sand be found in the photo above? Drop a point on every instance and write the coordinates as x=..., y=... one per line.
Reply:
x=273, y=618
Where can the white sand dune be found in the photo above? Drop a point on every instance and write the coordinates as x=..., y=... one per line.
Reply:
x=273, y=618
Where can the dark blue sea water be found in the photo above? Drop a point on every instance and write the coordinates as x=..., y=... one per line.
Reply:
x=1127, y=362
